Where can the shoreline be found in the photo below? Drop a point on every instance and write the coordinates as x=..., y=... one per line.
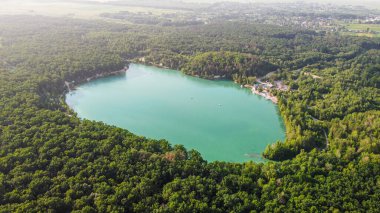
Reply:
x=70, y=86
x=266, y=95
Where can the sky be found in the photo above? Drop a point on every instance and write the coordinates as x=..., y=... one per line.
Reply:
x=82, y=11
x=367, y=3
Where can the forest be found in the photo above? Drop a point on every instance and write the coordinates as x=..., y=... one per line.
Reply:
x=52, y=161
x=228, y=65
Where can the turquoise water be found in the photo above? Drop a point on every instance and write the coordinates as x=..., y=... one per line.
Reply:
x=217, y=118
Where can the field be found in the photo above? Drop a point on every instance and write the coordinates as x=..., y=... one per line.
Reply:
x=357, y=29
x=372, y=27
x=76, y=10
x=370, y=35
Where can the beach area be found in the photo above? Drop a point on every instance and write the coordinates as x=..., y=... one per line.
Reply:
x=264, y=89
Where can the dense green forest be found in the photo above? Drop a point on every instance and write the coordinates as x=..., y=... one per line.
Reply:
x=51, y=161
x=228, y=65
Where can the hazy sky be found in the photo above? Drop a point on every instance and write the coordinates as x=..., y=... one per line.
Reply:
x=17, y=6
x=367, y=3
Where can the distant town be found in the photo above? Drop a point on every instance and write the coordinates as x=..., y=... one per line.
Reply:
x=311, y=16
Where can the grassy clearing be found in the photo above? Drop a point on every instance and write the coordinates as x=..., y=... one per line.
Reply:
x=371, y=35
x=361, y=27
x=373, y=27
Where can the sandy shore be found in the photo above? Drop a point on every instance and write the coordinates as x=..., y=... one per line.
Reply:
x=266, y=95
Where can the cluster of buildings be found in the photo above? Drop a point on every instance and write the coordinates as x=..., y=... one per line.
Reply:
x=264, y=89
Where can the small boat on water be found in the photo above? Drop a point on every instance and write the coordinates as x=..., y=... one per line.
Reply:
x=253, y=155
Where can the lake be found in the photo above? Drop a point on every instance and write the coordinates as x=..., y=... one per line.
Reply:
x=219, y=119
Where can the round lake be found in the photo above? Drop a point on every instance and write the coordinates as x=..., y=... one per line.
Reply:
x=217, y=118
